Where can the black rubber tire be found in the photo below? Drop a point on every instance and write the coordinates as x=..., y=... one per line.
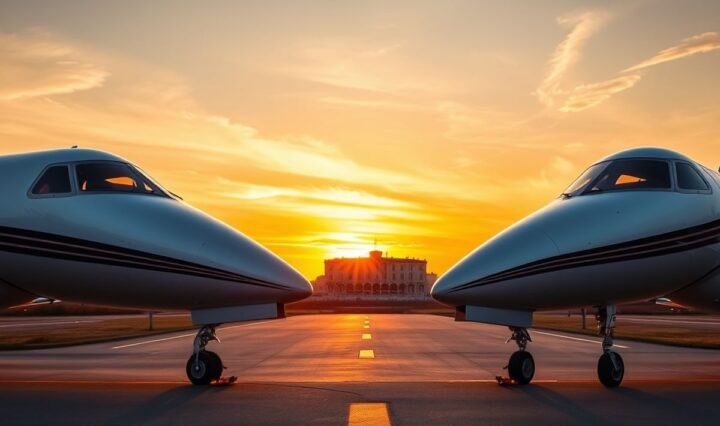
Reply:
x=521, y=367
x=216, y=365
x=203, y=373
x=607, y=373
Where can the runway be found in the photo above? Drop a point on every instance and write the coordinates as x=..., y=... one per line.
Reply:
x=308, y=369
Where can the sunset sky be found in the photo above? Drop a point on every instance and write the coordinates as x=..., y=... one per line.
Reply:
x=316, y=127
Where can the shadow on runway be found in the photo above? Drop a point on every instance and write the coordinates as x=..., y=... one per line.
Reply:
x=561, y=404
x=611, y=406
x=168, y=403
x=667, y=407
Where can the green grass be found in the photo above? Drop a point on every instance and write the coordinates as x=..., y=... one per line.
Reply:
x=123, y=328
x=666, y=334
x=94, y=332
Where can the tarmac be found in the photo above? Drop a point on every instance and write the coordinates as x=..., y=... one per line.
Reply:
x=358, y=369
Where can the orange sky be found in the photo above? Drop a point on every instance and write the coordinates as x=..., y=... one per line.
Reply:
x=316, y=128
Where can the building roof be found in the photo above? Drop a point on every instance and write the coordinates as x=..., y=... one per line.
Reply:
x=392, y=259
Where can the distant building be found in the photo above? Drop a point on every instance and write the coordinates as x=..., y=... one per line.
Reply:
x=374, y=277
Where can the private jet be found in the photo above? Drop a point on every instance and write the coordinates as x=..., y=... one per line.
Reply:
x=640, y=224
x=87, y=226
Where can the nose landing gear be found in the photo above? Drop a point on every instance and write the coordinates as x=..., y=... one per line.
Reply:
x=521, y=366
x=204, y=366
x=611, y=368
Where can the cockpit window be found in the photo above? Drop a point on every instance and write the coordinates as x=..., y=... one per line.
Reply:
x=55, y=180
x=713, y=174
x=584, y=180
x=632, y=174
x=688, y=178
x=114, y=177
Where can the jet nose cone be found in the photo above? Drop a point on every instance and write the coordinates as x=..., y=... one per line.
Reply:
x=464, y=283
x=449, y=283
x=301, y=287
x=259, y=263
x=440, y=289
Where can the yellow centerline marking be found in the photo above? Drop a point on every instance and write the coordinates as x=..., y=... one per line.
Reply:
x=366, y=326
x=367, y=336
x=366, y=354
x=368, y=413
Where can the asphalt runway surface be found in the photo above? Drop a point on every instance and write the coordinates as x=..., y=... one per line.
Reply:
x=422, y=369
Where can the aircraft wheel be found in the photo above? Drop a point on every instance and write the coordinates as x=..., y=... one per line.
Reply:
x=521, y=367
x=609, y=375
x=207, y=369
x=215, y=364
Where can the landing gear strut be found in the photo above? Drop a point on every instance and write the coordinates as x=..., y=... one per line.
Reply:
x=204, y=366
x=521, y=366
x=611, y=368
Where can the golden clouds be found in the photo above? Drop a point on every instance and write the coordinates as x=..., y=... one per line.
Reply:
x=287, y=191
x=587, y=96
x=431, y=131
x=700, y=43
x=568, y=52
x=33, y=65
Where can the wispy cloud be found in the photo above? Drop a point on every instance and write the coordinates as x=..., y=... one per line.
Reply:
x=586, y=96
x=700, y=43
x=33, y=64
x=551, y=92
x=385, y=103
x=345, y=63
x=156, y=111
x=568, y=52
x=327, y=202
x=589, y=95
x=553, y=175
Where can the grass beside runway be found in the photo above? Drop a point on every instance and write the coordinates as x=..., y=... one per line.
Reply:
x=118, y=328
x=103, y=330
x=666, y=333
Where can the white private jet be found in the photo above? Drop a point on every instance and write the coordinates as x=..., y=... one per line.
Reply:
x=87, y=226
x=637, y=225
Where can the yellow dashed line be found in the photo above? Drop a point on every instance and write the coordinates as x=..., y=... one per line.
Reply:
x=367, y=336
x=366, y=326
x=366, y=354
x=368, y=413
